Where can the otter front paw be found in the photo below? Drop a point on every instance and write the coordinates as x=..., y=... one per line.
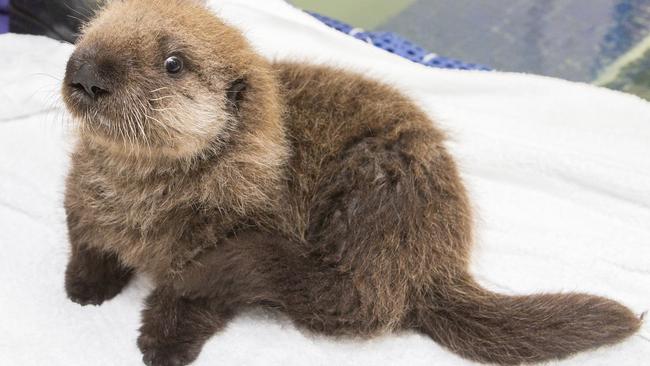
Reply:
x=93, y=277
x=160, y=352
x=86, y=291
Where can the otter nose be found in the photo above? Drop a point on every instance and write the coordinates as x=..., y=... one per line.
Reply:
x=86, y=78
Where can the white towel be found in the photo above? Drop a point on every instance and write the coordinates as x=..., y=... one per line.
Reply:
x=559, y=174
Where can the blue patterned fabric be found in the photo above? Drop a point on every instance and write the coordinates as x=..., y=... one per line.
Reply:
x=4, y=16
x=393, y=43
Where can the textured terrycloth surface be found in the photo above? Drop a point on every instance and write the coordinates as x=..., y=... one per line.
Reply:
x=559, y=173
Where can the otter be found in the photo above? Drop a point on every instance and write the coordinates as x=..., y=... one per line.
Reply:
x=233, y=181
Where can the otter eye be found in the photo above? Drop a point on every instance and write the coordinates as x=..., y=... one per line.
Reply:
x=173, y=65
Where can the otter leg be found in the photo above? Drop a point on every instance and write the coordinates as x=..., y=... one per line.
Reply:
x=260, y=268
x=174, y=328
x=391, y=210
x=93, y=276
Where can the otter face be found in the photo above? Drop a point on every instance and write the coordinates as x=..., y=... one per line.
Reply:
x=156, y=76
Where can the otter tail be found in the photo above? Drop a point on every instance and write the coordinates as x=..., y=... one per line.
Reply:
x=492, y=328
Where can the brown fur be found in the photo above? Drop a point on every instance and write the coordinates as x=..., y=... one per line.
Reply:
x=310, y=190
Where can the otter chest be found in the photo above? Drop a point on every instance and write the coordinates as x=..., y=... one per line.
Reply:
x=155, y=227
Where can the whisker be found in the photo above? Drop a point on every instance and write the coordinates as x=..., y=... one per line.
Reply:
x=159, y=89
x=161, y=98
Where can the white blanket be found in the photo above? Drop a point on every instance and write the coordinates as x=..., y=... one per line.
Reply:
x=559, y=174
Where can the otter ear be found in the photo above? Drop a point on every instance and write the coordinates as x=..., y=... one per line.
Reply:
x=235, y=93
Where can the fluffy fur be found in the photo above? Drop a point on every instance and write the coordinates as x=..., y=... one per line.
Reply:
x=309, y=190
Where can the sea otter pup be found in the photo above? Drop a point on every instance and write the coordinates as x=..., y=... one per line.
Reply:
x=233, y=181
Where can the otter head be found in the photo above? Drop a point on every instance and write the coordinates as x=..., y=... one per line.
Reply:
x=163, y=77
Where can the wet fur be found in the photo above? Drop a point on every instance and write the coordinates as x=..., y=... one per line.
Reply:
x=310, y=190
